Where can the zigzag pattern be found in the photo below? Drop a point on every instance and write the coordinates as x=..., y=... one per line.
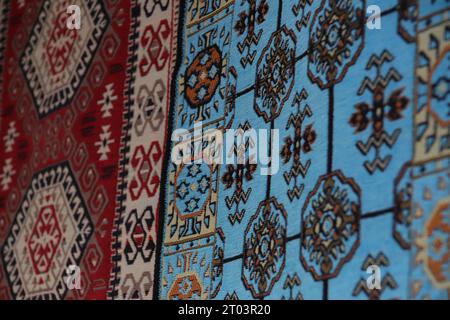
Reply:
x=382, y=81
x=250, y=39
x=303, y=22
x=231, y=296
x=297, y=169
x=299, y=97
x=387, y=282
x=292, y=282
x=248, y=59
x=378, y=141
x=295, y=192
x=236, y=217
x=378, y=163
x=299, y=116
x=379, y=260
x=304, y=19
x=376, y=61
x=237, y=197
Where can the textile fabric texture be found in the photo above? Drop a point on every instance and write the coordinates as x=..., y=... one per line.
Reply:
x=352, y=120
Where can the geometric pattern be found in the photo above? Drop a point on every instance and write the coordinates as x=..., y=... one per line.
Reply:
x=387, y=282
x=56, y=57
x=265, y=245
x=330, y=225
x=337, y=35
x=50, y=233
x=382, y=109
x=344, y=199
x=152, y=38
x=435, y=246
x=275, y=77
x=62, y=94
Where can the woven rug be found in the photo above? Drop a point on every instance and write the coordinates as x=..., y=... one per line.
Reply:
x=224, y=149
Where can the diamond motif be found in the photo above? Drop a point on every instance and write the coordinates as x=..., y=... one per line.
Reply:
x=50, y=233
x=45, y=239
x=57, y=58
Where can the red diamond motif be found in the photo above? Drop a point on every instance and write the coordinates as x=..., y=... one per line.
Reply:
x=44, y=240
